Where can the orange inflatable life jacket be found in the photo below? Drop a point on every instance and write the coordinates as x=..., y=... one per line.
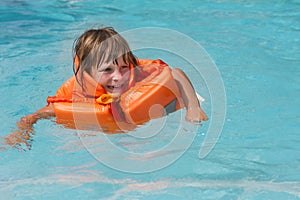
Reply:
x=153, y=94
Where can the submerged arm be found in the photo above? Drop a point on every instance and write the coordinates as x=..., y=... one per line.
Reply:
x=25, y=126
x=194, y=112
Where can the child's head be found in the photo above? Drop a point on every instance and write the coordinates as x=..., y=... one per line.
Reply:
x=104, y=55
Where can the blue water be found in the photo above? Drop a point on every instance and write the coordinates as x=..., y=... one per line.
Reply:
x=255, y=46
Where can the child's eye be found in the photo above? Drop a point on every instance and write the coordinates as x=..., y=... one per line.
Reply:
x=107, y=70
x=124, y=67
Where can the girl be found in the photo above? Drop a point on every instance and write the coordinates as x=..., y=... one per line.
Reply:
x=103, y=57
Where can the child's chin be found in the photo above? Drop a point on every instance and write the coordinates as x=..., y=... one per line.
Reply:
x=115, y=94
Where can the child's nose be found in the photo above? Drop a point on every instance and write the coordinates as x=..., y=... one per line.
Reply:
x=117, y=75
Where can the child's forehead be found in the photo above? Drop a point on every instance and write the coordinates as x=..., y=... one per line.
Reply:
x=116, y=62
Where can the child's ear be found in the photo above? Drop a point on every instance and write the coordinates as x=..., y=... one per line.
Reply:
x=76, y=62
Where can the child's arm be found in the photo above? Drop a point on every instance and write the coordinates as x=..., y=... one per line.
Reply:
x=194, y=112
x=25, y=126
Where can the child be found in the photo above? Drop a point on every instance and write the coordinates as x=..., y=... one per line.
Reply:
x=105, y=57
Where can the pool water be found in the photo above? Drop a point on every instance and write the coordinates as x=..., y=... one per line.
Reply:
x=255, y=46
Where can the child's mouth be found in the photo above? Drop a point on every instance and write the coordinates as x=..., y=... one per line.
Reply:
x=114, y=87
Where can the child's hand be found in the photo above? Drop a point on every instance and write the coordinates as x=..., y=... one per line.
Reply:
x=19, y=140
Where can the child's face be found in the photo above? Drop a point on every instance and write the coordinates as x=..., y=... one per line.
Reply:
x=113, y=78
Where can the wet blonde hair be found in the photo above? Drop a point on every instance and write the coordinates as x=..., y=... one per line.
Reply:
x=98, y=46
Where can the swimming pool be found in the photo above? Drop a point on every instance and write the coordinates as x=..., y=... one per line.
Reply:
x=254, y=44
